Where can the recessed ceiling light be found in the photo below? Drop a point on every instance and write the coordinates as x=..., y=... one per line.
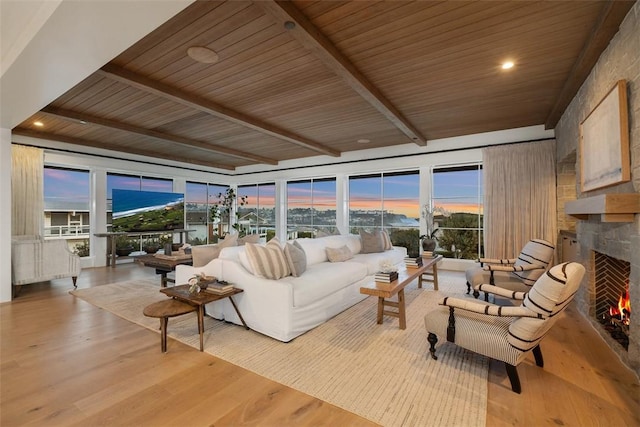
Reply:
x=289, y=25
x=507, y=65
x=202, y=54
x=39, y=124
x=364, y=141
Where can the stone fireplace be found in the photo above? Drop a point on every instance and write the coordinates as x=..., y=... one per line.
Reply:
x=595, y=229
x=611, y=303
x=617, y=244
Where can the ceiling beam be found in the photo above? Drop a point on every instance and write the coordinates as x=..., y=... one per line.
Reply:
x=612, y=15
x=312, y=39
x=103, y=146
x=201, y=104
x=187, y=142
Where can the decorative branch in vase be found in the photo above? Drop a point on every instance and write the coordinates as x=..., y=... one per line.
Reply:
x=430, y=240
x=221, y=211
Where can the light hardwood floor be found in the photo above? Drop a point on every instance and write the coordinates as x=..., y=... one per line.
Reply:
x=66, y=362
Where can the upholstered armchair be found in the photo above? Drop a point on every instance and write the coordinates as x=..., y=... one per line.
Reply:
x=506, y=333
x=516, y=274
x=34, y=259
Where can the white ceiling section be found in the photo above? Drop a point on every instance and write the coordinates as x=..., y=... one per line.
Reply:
x=53, y=45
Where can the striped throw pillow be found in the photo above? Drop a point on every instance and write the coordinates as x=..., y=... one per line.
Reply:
x=268, y=261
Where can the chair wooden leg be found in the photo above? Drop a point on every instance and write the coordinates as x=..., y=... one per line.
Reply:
x=433, y=339
x=476, y=293
x=512, y=372
x=75, y=280
x=468, y=288
x=537, y=353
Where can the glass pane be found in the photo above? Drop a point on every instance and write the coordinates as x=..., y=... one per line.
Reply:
x=66, y=205
x=458, y=211
x=299, y=204
x=156, y=184
x=401, y=200
x=196, y=212
x=324, y=202
x=267, y=210
x=365, y=202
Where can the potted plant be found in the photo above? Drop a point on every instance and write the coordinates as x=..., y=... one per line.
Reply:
x=151, y=246
x=124, y=245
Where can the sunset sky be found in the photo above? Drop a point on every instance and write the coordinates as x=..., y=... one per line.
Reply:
x=455, y=191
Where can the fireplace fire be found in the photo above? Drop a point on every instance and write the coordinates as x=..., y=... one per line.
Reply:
x=617, y=321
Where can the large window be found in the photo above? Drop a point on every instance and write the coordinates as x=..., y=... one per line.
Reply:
x=389, y=201
x=116, y=181
x=311, y=206
x=133, y=182
x=199, y=198
x=457, y=191
x=66, y=207
x=258, y=215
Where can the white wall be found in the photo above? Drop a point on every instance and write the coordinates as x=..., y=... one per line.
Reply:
x=5, y=214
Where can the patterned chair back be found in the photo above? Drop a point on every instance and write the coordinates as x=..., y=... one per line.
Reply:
x=536, y=251
x=548, y=297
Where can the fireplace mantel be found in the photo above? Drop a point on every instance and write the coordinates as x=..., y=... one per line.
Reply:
x=610, y=207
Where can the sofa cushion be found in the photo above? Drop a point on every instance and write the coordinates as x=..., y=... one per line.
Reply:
x=324, y=279
x=201, y=255
x=340, y=254
x=372, y=261
x=296, y=258
x=268, y=261
x=249, y=238
x=371, y=242
x=351, y=240
x=314, y=249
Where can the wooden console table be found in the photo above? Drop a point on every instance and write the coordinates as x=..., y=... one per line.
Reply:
x=163, y=266
x=112, y=237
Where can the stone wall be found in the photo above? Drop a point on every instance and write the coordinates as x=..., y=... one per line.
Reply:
x=621, y=240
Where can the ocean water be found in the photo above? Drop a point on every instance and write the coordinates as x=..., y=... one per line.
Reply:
x=129, y=202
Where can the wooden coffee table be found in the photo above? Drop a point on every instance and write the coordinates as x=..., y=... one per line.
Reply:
x=199, y=300
x=387, y=290
x=164, y=266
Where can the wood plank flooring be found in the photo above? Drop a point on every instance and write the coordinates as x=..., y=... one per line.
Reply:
x=66, y=362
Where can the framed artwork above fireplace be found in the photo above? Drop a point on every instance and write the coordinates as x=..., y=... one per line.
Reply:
x=604, y=142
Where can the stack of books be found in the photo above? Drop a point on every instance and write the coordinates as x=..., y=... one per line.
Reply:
x=413, y=262
x=386, y=277
x=219, y=288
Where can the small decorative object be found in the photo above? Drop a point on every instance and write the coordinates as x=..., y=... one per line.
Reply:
x=387, y=266
x=202, y=281
x=167, y=249
x=194, y=288
x=386, y=277
x=429, y=240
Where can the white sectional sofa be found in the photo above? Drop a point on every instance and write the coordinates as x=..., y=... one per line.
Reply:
x=288, y=307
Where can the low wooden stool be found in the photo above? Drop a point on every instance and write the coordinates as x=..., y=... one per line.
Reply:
x=164, y=310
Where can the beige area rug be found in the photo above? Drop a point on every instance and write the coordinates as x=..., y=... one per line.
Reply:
x=376, y=371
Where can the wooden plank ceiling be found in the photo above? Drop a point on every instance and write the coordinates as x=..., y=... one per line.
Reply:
x=307, y=78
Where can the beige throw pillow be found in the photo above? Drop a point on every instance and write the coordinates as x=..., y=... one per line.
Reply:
x=296, y=258
x=387, y=240
x=371, y=242
x=268, y=261
x=249, y=238
x=202, y=255
x=339, y=254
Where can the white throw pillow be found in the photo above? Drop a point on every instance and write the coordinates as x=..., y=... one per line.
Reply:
x=339, y=254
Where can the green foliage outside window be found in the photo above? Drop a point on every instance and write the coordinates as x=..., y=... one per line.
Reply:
x=456, y=243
